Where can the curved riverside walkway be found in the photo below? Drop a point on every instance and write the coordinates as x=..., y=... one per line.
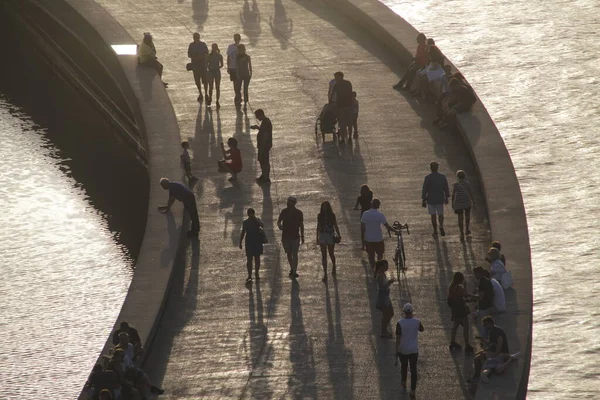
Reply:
x=304, y=339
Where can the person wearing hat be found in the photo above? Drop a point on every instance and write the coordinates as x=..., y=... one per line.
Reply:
x=407, y=346
x=291, y=223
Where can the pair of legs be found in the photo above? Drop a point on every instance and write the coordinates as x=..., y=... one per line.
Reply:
x=436, y=211
x=466, y=212
x=386, y=316
x=214, y=81
x=375, y=248
x=249, y=260
x=192, y=210
x=344, y=117
x=409, y=75
x=405, y=361
x=327, y=248
x=485, y=365
x=464, y=321
x=200, y=80
x=265, y=166
x=241, y=81
x=291, y=248
x=156, y=65
x=224, y=166
x=188, y=171
x=355, y=125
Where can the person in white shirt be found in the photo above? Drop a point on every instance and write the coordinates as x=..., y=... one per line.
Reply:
x=232, y=64
x=407, y=346
x=497, y=268
x=128, y=349
x=370, y=224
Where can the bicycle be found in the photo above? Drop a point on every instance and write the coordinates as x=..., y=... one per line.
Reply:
x=400, y=253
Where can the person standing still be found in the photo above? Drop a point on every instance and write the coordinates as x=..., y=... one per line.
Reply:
x=244, y=73
x=341, y=95
x=254, y=247
x=197, y=52
x=407, y=346
x=291, y=223
x=232, y=64
x=370, y=224
x=434, y=195
x=264, y=143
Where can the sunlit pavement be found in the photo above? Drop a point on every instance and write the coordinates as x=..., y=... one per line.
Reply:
x=305, y=339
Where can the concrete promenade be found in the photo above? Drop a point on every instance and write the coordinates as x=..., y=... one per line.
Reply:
x=283, y=339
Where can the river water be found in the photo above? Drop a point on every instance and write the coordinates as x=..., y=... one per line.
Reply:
x=534, y=64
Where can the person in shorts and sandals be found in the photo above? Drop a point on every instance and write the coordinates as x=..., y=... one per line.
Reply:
x=291, y=223
x=197, y=52
x=370, y=224
x=434, y=195
x=383, y=303
x=495, y=356
x=462, y=201
x=232, y=159
x=364, y=201
x=186, y=162
x=407, y=347
x=328, y=234
x=457, y=300
x=232, y=64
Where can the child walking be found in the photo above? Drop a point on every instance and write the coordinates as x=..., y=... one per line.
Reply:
x=186, y=162
x=354, y=115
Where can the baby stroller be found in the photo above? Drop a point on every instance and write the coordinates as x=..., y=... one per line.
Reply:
x=326, y=121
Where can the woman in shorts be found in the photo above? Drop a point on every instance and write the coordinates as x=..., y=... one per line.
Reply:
x=328, y=234
x=462, y=201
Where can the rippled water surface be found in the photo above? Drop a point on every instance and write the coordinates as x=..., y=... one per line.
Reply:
x=535, y=66
x=64, y=277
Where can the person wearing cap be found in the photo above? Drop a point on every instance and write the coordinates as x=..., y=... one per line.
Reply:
x=434, y=195
x=178, y=191
x=198, y=52
x=407, y=346
x=291, y=223
x=370, y=224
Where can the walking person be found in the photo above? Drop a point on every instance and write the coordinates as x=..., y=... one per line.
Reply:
x=407, y=346
x=186, y=161
x=147, y=55
x=341, y=94
x=214, y=65
x=291, y=223
x=178, y=191
x=384, y=304
x=364, y=201
x=328, y=234
x=251, y=231
x=232, y=51
x=370, y=224
x=434, y=195
x=462, y=201
x=243, y=72
x=232, y=159
x=264, y=143
x=354, y=115
x=457, y=300
x=197, y=52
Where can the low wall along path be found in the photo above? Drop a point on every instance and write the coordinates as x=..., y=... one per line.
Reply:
x=306, y=339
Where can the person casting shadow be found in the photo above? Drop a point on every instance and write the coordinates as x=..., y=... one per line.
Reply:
x=251, y=231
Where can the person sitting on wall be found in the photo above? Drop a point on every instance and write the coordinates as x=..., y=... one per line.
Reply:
x=134, y=337
x=147, y=55
x=420, y=60
x=460, y=99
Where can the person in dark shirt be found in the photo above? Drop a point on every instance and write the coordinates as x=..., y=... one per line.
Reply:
x=364, y=201
x=178, y=191
x=342, y=93
x=134, y=337
x=197, y=52
x=485, y=290
x=434, y=195
x=264, y=143
x=291, y=223
x=496, y=356
x=100, y=380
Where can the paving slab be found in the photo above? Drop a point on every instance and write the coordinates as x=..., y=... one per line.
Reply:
x=277, y=338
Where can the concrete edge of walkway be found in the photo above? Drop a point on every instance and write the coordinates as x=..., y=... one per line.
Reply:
x=506, y=211
x=164, y=238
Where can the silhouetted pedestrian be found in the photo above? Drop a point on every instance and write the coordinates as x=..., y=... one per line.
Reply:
x=462, y=201
x=243, y=73
x=341, y=95
x=197, y=52
x=264, y=143
x=434, y=195
x=251, y=231
x=214, y=64
x=328, y=234
x=291, y=223
x=178, y=191
x=364, y=201
x=232, y=52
